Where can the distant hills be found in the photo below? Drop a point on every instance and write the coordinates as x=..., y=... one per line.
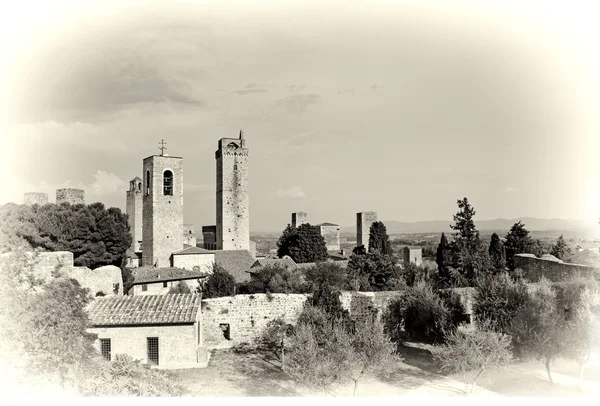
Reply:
x=531, y=223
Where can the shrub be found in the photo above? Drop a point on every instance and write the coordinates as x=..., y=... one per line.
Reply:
x=181, y=287
x=275, y=336
x=220, y=283
x=275, y=279
x=326, y=273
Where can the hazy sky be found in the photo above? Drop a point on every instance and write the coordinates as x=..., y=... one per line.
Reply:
x=395, y=107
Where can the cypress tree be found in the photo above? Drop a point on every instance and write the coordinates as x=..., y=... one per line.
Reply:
x=497, y=253
x=378, y=239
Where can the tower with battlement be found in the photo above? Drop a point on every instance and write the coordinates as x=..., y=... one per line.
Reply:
x=134, y=212
x=162, y=209
x=71, y=196
x=233, y=201
x=299, y=218
x=364, y=220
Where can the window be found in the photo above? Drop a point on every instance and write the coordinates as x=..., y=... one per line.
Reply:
x=105, y=348
x=147, y=183
x=165, y=284
x=152, y=350
x=140, y=186
x=116, y=287
x=226, y=331
x=168, y=183
x=144, y=287
x=235, y=167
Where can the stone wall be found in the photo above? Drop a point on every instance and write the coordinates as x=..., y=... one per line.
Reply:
x=162, y=214
x=177, y=344
x=161, y=288
x=188, y=261
x=363, y=227
x=248, y=315
x=36, y=198
x=534, y=268
x=71, y=196
x=233, y=201
x=189, y=235
x=413, y=255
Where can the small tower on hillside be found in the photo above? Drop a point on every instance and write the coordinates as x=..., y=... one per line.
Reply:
x=299, y=218
x=364, y=220
x=233, y=201
x=162, y=208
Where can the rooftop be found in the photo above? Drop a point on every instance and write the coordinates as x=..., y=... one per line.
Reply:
x=193, y=250
x=285, y=262
x=236, y=262
x=144, y=309
x=327, y=224
x=147, y=274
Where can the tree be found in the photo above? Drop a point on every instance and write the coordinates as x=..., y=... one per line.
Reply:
x=283, y=244
x=476, y=350
x=517, y=241
x=464, y=226
x=413, y=273
x=560, y=249
x=181, y=287
x=374, y=272
x=497, y=254
x=275, y=279
x=305, y=244
x=498, y=299
x=275, y=338
x=373, y=350
x=327, y=299
x=95, y=235
x=326, y=273
x=379, y=241
x=220, y=283
x=443, y=260
x=539, y=328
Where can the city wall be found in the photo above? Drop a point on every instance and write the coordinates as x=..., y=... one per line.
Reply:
x=534, y=268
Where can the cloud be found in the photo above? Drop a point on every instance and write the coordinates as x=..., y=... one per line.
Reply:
x=510, y=190
x=295, y=192
x=251, y=88
x=298, y=103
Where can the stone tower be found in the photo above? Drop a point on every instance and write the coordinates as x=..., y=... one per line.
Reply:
x=71, y=196
x=298, y=218
x=162, y=209
x=134, y=212
x=233, y=202
x=36, y=198
x=363, y=226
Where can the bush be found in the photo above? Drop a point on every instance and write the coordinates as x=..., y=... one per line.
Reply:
x=326, y=273
x=275, y=279
x=220, y=283
x=422, y=315
x=374, y=272
x=274, y=338
x=473, y=350
x=181, y=287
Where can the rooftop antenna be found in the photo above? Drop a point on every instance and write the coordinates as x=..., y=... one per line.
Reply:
x=162, y=147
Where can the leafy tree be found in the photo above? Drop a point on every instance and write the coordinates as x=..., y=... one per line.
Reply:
x=476, y=350
x=464, y=226
x=275, y=279
x=326, y=273
x=373, y=350
x=498, y=299
x=374, y=272
x=220, y=283
x=517, y=241
x=283, y=244
x=560, y=249
x=327, y=299
x=422, y=315
x=539, y=328
x=414, y=273
x=181, y=287
x=275, y=338
x=128, y=279
x=379, y=241
x=305, y=244
x=497, y=254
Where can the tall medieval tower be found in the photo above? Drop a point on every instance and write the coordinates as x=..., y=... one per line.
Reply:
x=162, y=228
x=233, y=202
x=134, y=212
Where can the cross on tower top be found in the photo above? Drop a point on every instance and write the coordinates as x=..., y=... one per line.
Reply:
x=162, y=147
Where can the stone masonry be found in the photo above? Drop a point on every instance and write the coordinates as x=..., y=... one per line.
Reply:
x=36, y=198
x=189, y=234
x=299, y=218
x=134, y=213
x=363, y=227
x=209, y=237
x=233, y=202
x=162, y=209
x=71, y=196
x=331, y=233
x=534, y=268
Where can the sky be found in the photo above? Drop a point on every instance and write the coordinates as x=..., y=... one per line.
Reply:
x=398, y=107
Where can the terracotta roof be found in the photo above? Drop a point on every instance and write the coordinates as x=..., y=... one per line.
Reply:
x=236, y=262
x=193, y=250
x=151, y=274
x=144, y=309
x=285, y=262
x=130, y=254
